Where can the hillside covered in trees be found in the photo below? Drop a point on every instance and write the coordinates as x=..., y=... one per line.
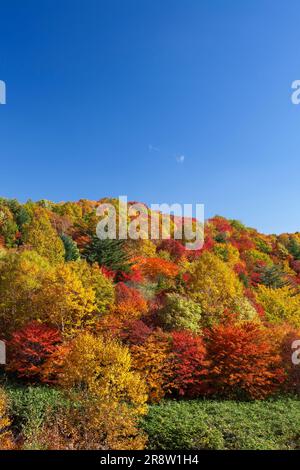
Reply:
x=122, y=334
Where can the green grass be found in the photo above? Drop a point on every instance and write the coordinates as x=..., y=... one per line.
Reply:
x=198, y=424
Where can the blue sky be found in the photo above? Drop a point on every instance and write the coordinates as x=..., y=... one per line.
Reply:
x=162, y=100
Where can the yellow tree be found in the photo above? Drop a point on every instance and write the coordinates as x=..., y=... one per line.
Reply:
x=42, y=237
x=97, y=373
x=68, y=295
x=214, y=285
x=21, y=279
x=150, y=359
x=280, y=304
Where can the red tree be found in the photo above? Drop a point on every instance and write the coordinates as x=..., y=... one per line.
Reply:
x=30, y=347
x=243, y=361
x=188, y=364
x=174, y=247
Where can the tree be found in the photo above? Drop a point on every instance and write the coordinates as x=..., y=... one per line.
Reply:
x=102, y=368
x=294, y=248
x=156, y=268
x=29, y=349
x=280, y=304
x=180, y=313
x=21, y=280
x=243, y=361
x=71, y=250
x=97, y=374
x=108, y=253
x=272, y=276
x=8, y=226
x=173, y=247
x=71, y=296
x=214, y=286
x=150, y=359
x=129, y=302
x=93, y=276
x=283, y=338
x=189, y=365
x=41, y=236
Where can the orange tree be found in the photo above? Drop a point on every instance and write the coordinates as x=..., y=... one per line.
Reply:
x=243, y=361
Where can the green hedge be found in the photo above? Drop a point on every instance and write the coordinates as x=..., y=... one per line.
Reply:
x=265, y=425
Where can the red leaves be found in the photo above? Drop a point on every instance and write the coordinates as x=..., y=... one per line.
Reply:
x=130, y=303
x=30, y=347
x=173, y=247
x=243, y=361
x=221, y=224
x=188, y=364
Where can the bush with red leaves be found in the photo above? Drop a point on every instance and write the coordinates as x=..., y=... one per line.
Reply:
x=29, y=349
x=135, y=332
x=189, y=365
x=173, y=247
x=244, y=363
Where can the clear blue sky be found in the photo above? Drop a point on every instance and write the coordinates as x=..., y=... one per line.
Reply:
x=105, y=97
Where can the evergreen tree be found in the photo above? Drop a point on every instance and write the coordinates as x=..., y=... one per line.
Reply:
x=71, y=250
x=108, y=253
x=272, y=276
x=294, y=248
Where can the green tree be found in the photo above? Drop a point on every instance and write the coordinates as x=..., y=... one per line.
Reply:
x=180, y=313
x=71, y=250
x=108, y=253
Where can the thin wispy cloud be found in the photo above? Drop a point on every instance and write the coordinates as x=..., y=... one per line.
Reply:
x=180, y=158
x=152, y=148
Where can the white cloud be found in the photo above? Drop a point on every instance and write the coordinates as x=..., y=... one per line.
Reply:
x=151, y=148
x=180, y=158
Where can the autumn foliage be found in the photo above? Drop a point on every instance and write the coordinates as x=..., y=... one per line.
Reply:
x=29, y=349
x=115, y=324
x=243, y=362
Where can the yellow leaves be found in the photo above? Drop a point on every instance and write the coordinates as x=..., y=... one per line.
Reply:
x=97, y=373
x=6, y=442
x=42, y=237
x=279, y=304
x=150, y=360
x=214, y=285
x=102, y=368
x=68, y=295
x=65, y=301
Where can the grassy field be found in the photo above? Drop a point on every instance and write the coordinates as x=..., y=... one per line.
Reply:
x=265, y=425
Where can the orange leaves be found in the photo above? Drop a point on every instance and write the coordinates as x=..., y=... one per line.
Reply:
x=29, y=349
x=154, y=268
x=243, y=361
x=189, y=364
x=130, y=303
x=150, y=359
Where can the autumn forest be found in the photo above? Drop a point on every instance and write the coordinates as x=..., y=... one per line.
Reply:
x=144, y=344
